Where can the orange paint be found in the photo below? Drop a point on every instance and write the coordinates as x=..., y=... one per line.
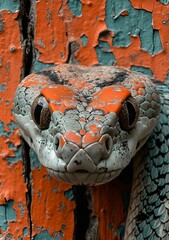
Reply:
x=55, y=209
x=56, y=28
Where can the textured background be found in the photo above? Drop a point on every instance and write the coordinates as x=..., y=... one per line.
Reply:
x=38, y=34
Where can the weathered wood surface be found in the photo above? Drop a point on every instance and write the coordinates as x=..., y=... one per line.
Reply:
x=38, y=34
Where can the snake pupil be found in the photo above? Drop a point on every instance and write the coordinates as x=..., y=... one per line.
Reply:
x=40, y=112
x=37, y=113
x=131, y=112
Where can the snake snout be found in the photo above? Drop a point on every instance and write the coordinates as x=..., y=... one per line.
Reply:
x=79, y=158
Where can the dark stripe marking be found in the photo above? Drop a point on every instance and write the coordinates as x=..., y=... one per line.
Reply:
x=120, y=77
x=51, y=75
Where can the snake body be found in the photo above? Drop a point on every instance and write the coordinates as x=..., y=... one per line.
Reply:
x=87, y=123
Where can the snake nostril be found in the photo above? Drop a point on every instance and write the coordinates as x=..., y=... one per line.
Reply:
x=106, y=143
x=56, y=143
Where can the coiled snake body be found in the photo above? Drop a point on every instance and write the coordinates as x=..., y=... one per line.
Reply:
x=86, y=124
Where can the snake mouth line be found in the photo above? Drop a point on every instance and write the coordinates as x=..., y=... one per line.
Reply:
x=83, y=177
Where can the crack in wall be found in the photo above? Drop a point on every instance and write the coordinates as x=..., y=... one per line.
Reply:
x=26, y=21
x=86, y=223
x=27, y=26
x=27, y=178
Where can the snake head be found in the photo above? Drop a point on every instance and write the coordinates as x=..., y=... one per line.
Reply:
x=84, y=133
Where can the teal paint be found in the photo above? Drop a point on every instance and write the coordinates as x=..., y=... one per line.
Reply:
x=10, y=5
x=167, y=78
x=132, y=24
x=45, y=235
x=63, y=227
x=157, y=42
x=18, y=152
x=34, y=160
x=7, y=214
x=75, y=7
x=165, y=2
x=25, y=231
x=1, y=128
x=104, y=58
x=111, y=225
x=2, y=87
x=12, y=127
x=105, y=47
x=10, y=212
x=69, y=194
x=144, y=70
x=121, y=231
x=3, y=221
x=84, y=40
x=37, y=66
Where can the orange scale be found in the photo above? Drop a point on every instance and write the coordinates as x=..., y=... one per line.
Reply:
x=58, y=92
x=82, y=132
x=34, y=80
x=140, y=92
x=110, y=107
x=89, y=138
x=94, y=128
x=59, y=107
x=112, y=93
x=73, y=137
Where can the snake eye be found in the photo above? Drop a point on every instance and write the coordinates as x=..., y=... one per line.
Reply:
x=40, y=112
x=129, y=114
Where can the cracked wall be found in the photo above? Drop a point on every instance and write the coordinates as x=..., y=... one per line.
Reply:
x=38, y=34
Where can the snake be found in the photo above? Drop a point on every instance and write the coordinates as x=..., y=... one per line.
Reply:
x=86, y=124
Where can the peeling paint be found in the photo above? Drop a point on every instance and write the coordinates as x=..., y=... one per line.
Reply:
x=82, y=32
x=75, y=7
x=144, y=70
x=132, y=24
x=45, y=235
x=10, y=5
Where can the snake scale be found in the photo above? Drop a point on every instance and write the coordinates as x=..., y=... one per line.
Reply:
x=87, y=123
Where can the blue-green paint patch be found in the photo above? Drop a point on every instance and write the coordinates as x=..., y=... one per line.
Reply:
x=12, y=126
x=165, y=2
x=75, y=7
x=45, y=235
x=10, y=5
x=7, y=214
x=105, y=47
x=18, y=153
x=111, y=225
x=104, y=57
x=40, y=65
x=132, y=24
x=69, y=194
x=34, y=160
x=144, y=70
x=2, y=87
x=25, y=231
x=121, y=231
x=84, y=40
x=63, y=227
x=167, y=78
